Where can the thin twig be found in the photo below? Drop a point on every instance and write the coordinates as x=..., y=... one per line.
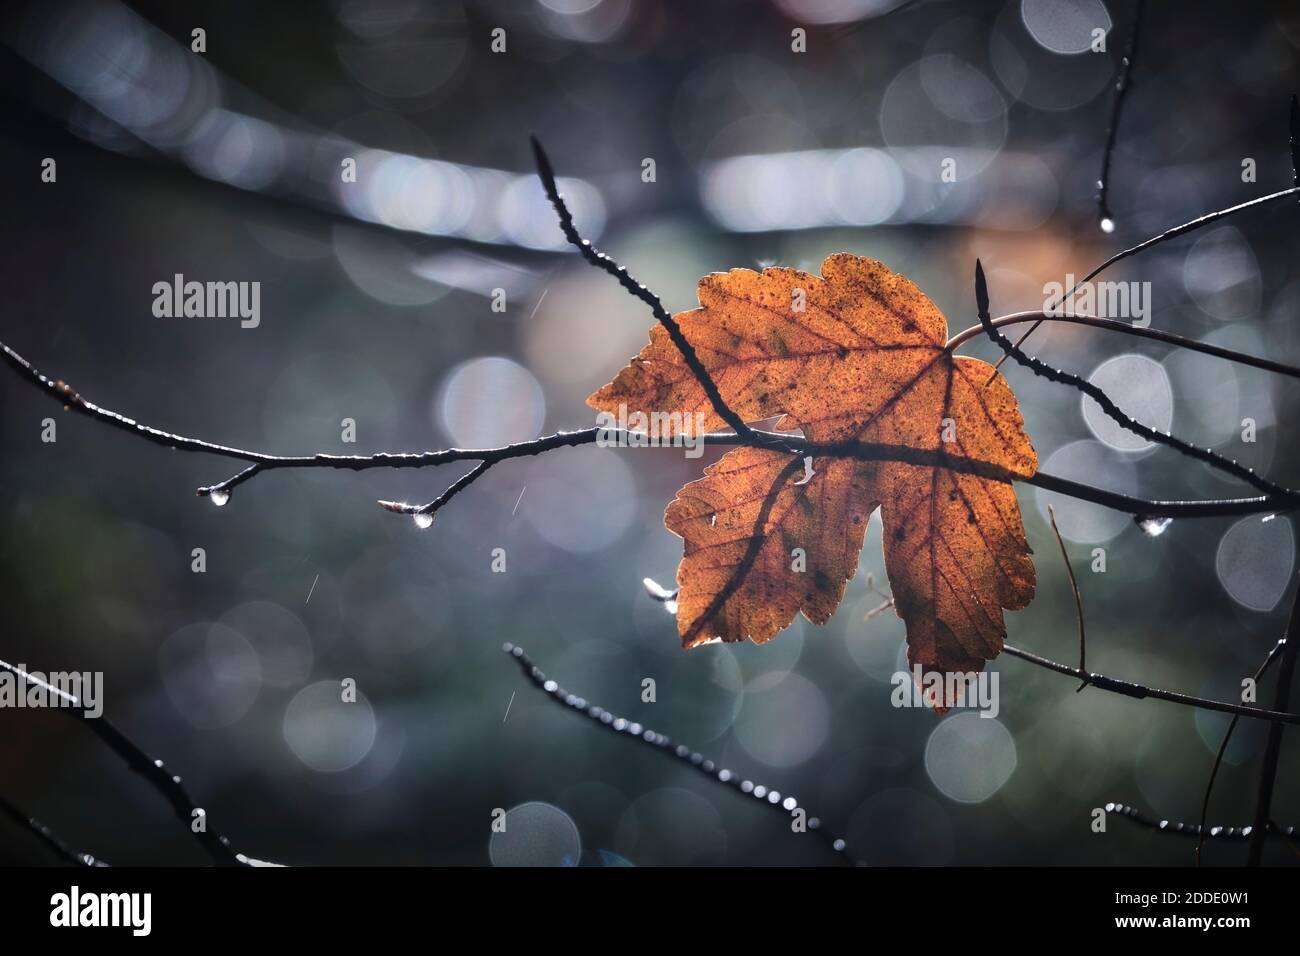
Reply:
x=46, y=836
x=1168, y=234
x=154, y=771
x=786, y=805
x=428, y=510
x=1267, y=504
x=1268, y=769
x=1142, y=691
x=1201, y=831
x=664, y=317
x=887, y=600
x=1107, y=404
x=1112, y=128
x=263, y=461
x=1078, y=601
x=1223, y=748
x=1126, y=328
x=1100, y=681
x=865, y=451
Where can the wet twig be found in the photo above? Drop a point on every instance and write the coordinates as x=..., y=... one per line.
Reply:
x=154, y=771
x=1078, y=600
x=1100, y=681
x=1172, y=233
x=1141, y=691
x=46, y=836
x=1184, y=228
x=1104, y=215
x=1272, y=750
x=866, y=451
x=1127, y=328
x=784, y=804
x=1107, y=404
x=1223, y=748
x=1200, y=831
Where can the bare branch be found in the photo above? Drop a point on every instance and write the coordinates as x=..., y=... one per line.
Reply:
x=785, y=804
x=1126, y=328
x=1174, y=233
x=1078, y=601
x=154, y=771
x=1223, y=749
x=664, y=317
x=46, y=836
x=1276, y=498
x=263, y=461
x=1089, y=679
x=1042, y=369
x=1201, y=831
x=1107, y=221
x=424, y=513
x=68, y=397
x=886, y=602
x=1273, y=749
x=1141, y=691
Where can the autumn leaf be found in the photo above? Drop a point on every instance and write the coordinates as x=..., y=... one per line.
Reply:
x=856, y=353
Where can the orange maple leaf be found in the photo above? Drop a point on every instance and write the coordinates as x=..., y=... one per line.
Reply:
x=857, y=353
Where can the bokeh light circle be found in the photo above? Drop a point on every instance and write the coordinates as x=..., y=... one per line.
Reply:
x=536, y=834
x=211, y=673
x=1064, y=26
x=490, y=401
x=784, y=724
x=326, y=732
x=1255, y=559
x=969, y=757
x=583, y=501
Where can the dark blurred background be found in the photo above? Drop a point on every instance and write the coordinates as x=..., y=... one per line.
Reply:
x=376, y=305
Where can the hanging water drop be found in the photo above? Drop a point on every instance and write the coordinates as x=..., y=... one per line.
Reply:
x=1107, y=225
x=219, y=498
x=661, y=594
x=423, y=521
x=1153, y=527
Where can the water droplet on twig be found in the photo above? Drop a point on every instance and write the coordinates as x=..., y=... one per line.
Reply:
x=219, y=498
x=423, y=521
x=1153, y=527
x=661, y=594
